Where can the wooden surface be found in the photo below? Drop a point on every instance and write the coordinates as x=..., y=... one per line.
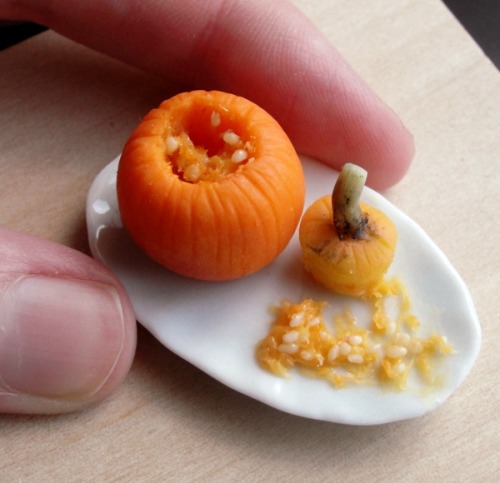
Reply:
x=66, y=111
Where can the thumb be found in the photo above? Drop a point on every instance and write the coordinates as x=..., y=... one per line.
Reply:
x=67, y=329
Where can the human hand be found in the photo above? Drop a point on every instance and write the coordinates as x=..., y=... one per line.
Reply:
x=266, y=51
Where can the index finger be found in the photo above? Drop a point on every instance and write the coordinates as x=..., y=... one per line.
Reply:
x=266, y=51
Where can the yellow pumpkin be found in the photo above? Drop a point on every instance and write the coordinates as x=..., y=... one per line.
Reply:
x=346, y=245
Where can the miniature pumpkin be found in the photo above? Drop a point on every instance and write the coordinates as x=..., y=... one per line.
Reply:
x=346, y=245
x=210, y=186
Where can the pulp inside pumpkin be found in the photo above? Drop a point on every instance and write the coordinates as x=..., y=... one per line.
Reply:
x=208, y=148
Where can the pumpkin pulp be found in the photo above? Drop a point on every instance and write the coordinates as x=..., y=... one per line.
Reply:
x=345, y=353
x=207, y=154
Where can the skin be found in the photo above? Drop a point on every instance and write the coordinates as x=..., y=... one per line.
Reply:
x=67, y=328
x=266, y=51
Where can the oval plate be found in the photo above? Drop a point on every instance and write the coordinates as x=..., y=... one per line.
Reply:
x=216, y=326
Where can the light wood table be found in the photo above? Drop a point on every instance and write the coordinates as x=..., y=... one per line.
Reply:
x=66, y=111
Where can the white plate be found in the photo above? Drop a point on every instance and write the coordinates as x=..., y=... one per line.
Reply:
x=216, y=326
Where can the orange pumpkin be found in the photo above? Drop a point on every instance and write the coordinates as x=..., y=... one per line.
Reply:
x=210, y=186
x=346, y=245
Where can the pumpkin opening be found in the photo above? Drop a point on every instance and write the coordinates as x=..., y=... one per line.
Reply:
x=208, y=146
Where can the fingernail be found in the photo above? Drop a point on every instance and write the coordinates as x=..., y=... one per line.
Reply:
x=59, y=338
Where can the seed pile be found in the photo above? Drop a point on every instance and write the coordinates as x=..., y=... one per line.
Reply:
x=383, y=353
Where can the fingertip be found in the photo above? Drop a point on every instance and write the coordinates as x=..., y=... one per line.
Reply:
x=377, y=140
x=327, y=110
x=392, y=159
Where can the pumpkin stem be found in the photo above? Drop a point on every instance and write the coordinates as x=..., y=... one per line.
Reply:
x=347, y=216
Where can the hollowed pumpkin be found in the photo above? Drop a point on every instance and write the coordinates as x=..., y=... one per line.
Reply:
x=210, y=186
